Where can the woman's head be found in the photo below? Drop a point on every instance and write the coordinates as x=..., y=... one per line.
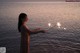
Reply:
x=22, y=18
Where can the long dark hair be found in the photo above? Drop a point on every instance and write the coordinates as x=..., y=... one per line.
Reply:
x=20, y=19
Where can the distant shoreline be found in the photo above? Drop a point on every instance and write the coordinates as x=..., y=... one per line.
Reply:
x=72, y=0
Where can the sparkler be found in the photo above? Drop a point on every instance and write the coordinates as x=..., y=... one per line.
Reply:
x=59, y=24
x=49, y=24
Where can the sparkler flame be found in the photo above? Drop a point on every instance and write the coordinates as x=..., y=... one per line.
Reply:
x=58, y=24
x=64, y=28
x=49, y=24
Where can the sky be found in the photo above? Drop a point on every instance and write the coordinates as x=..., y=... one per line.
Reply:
x=30, y=0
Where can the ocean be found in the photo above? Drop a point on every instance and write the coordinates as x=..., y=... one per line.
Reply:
x=55, y=40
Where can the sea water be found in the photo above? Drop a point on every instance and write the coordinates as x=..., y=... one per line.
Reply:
x=40, y=14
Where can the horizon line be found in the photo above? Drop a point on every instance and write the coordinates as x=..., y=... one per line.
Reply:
x=42, y=2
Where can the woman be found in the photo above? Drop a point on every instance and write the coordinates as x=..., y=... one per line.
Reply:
x=25, y=33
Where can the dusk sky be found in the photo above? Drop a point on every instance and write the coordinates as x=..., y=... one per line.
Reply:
x=30, y=0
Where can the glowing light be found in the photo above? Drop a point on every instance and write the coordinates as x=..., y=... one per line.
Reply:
x=64, y=28
x=49, y=24
x=58, y=24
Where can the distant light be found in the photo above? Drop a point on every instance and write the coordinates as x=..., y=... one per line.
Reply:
x=58, y=24
x=49, y=24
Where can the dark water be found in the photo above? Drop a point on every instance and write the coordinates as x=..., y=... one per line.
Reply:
x=40, y=14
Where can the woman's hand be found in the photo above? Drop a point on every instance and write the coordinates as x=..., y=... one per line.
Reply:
x=38, y=29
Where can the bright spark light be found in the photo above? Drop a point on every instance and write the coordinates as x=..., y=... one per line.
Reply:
x=49, y=24
x=58, y=24
x=64, y=28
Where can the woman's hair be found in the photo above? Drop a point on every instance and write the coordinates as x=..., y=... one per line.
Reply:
x=20, y=20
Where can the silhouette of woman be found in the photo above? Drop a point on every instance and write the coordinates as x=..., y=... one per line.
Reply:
x=25, y=33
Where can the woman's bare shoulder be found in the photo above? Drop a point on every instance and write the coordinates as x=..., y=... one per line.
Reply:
x=23, y=27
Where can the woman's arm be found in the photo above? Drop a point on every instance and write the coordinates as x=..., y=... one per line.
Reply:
x=35, y=31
